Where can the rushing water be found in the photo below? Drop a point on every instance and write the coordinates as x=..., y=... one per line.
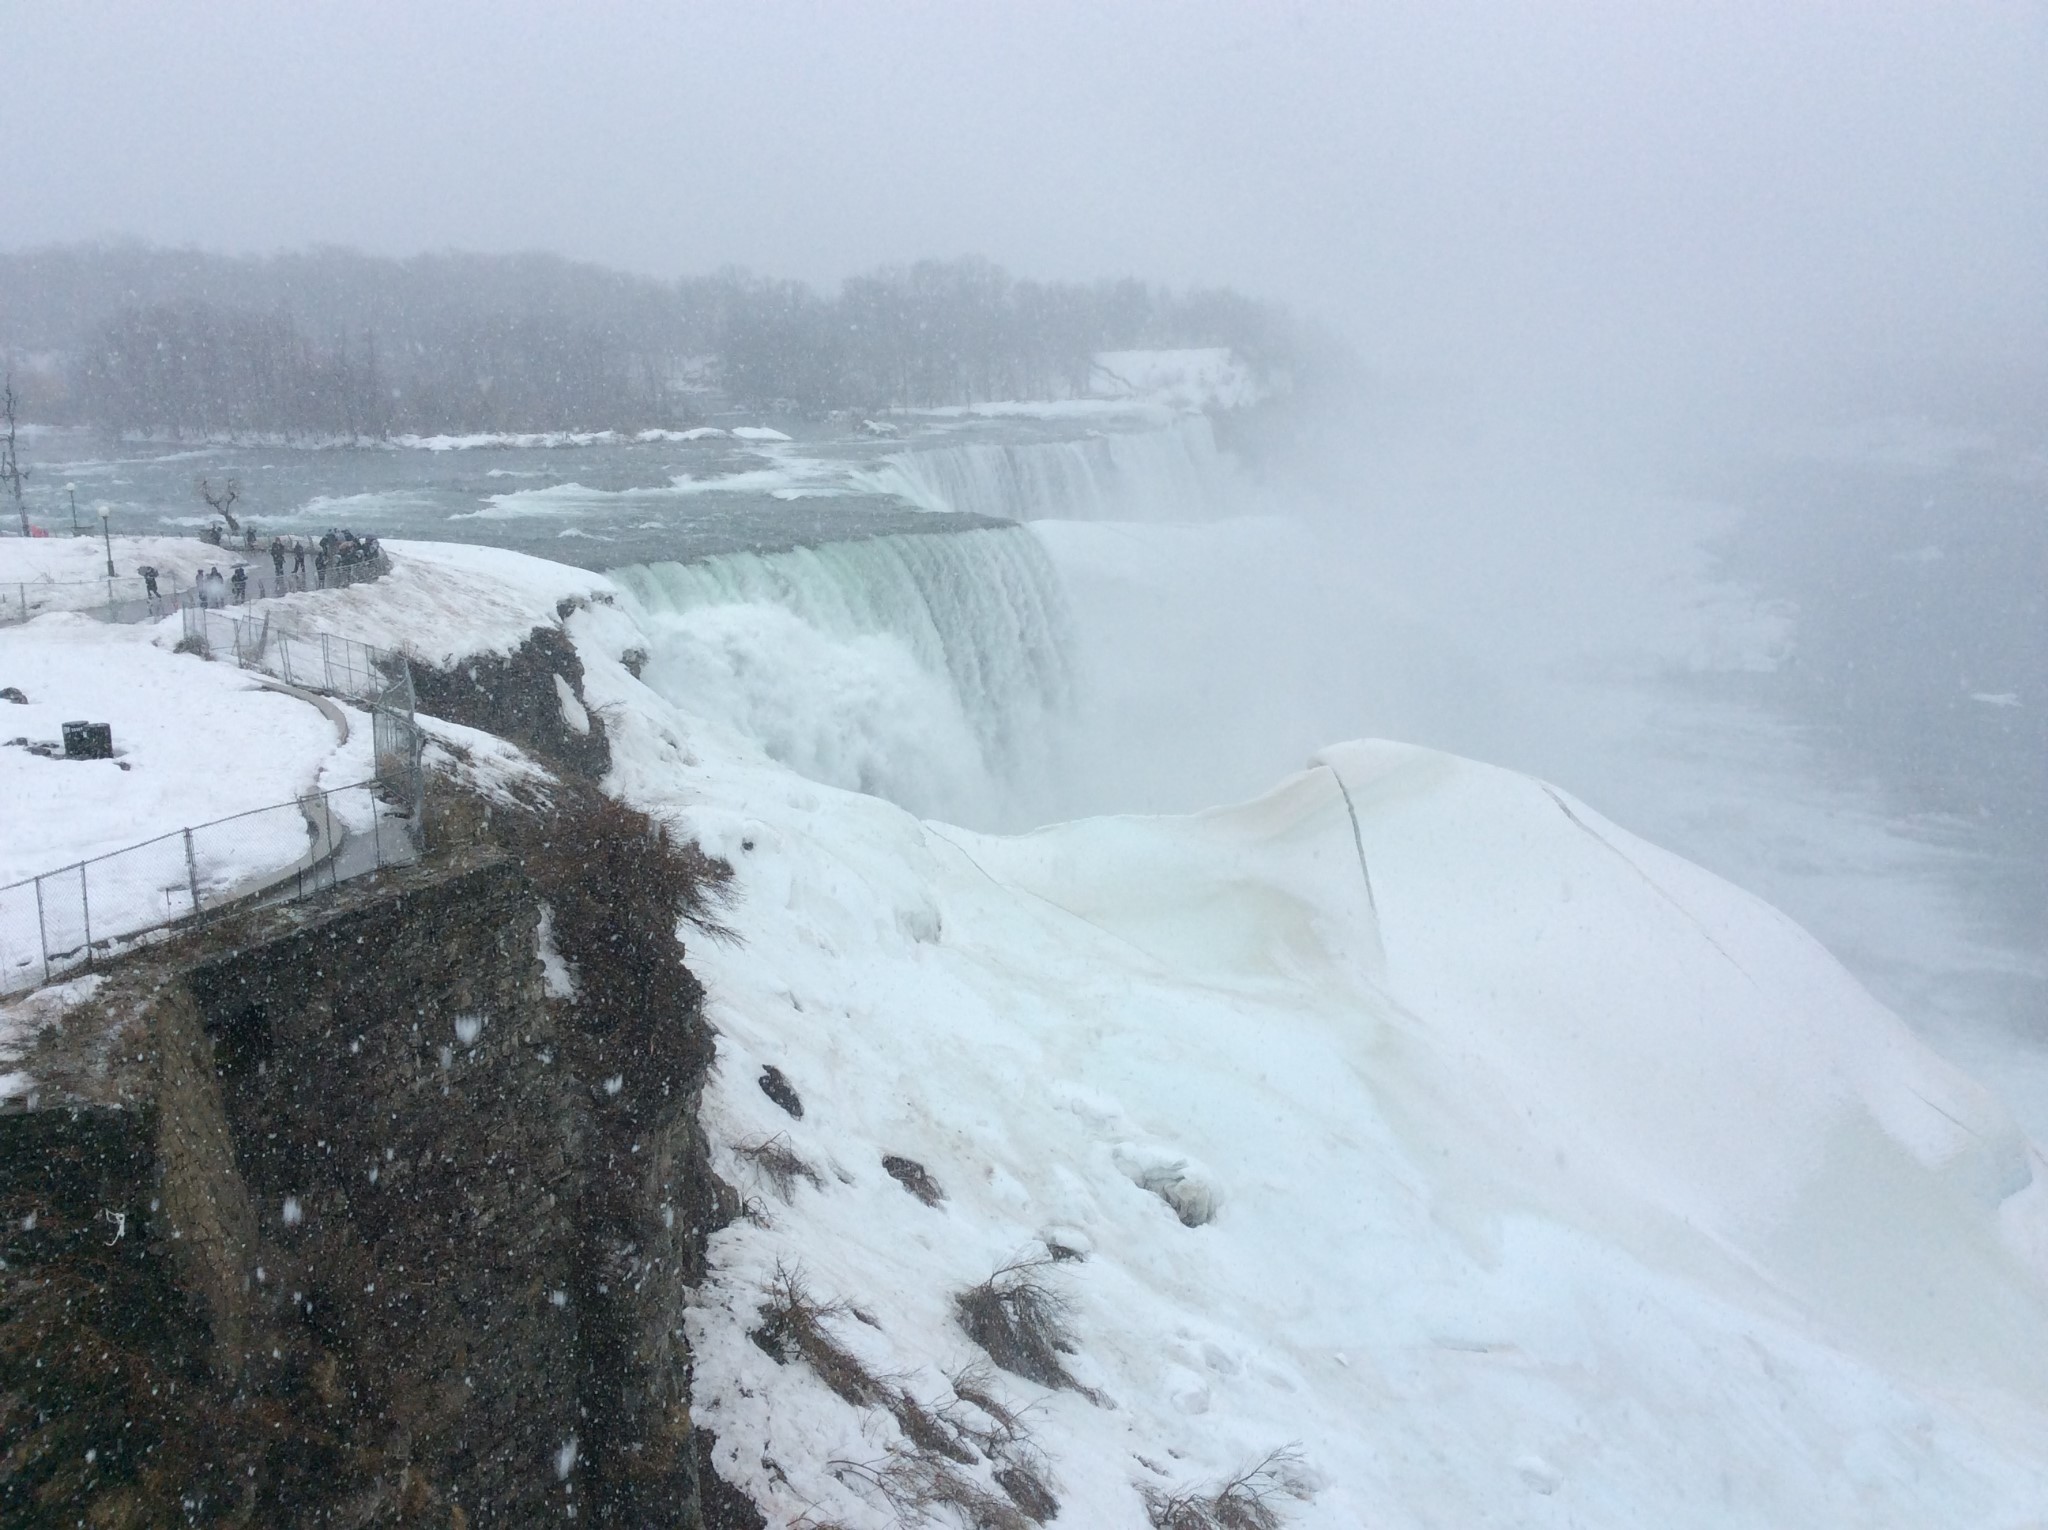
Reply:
x=1844, y=716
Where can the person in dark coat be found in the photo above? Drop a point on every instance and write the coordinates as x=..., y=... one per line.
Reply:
x=239, y=583
x=148, y=573
x=277, y=555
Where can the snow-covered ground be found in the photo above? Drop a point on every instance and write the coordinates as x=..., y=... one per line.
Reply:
x=193, y=742
x=77, y=567
x=1411, y=1115
x=1554, y=1180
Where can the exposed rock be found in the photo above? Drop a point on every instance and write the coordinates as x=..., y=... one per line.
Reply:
x=519, y=696
x=912, y=1176
x=781, y=1091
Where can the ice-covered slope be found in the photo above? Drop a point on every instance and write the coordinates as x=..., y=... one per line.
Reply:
x=1411, y=1115
x=1542, y=1179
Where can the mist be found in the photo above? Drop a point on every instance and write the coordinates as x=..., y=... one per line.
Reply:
x=1661, y=211
x=1586, y=286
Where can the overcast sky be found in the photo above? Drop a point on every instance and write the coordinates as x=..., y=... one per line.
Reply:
x=1754, y=184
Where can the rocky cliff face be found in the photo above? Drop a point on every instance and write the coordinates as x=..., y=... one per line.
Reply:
x=333, y=1215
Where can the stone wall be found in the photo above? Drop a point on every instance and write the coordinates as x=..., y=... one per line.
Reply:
x=349, y=1186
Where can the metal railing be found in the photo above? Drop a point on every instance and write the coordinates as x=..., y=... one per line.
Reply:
x=124, y=598
x=379, y=678
x=317, y=661
x=68, y=919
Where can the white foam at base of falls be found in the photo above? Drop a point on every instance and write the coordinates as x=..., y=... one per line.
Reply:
x=927, y=669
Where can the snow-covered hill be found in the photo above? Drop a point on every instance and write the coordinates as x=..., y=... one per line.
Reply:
x=1538, y=1177
x=1411, y=1121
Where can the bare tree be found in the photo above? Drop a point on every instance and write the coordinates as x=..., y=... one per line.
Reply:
x=11, y=470
x=220, y=499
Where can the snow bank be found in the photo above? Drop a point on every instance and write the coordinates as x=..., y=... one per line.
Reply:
x=82, y=561
x=1517, y=1172
x=1541, y=1177
x=193, y=742
x=444, y=600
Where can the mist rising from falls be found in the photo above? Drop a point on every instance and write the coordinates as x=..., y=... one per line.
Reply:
x=932, y=670
x=1172, y=474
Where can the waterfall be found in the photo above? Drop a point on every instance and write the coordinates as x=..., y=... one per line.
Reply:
x=927, y=669
x=1175, y=474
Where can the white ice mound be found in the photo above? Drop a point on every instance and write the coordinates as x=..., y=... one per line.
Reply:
x=1519, y=1172
x=1641, y=1015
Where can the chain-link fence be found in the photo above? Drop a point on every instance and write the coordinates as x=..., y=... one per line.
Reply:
x=127, y=597
x=318, y=661
x=66, y=920
x=122, y=599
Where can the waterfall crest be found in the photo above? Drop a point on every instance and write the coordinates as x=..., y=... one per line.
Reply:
x=1174, y=474
x=924, y=669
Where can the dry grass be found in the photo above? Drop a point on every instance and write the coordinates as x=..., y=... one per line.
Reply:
x=932, y=1433
x=1020, y=1321
x=917, y=1489
x=777, y=1162
x=1243, y=1502
x=1005, y=1428
x=793, y=1328
x=920, y=1481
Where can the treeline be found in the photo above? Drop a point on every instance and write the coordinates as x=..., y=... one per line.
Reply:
x=333, y=343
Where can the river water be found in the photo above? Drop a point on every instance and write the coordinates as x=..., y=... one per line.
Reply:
x=1819, y=675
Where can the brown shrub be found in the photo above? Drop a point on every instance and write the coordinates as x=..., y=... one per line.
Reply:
x=793, y=1328
x=1021, y=1323
x=1243, y=1502
x=779, y=1164
x=913, y=1485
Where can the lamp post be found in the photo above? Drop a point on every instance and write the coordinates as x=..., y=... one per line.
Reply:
x=108, y=537
x=72, y=490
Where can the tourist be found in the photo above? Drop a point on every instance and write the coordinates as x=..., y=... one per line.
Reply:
x=239, y=583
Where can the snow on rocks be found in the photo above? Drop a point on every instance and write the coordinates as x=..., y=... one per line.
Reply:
x=1538, y=1164
x=443, y=601
x=1547, y=1180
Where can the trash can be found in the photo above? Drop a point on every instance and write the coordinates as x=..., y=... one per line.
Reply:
x=88, y=741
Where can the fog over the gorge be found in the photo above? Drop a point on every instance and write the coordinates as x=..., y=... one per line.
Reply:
x=1639, y=301
x=1755, y=201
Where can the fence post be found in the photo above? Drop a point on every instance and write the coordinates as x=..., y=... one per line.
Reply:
x=192, y=873
x=42, y=931
x=85, y=903
x=327, y=661
x=376, y=832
